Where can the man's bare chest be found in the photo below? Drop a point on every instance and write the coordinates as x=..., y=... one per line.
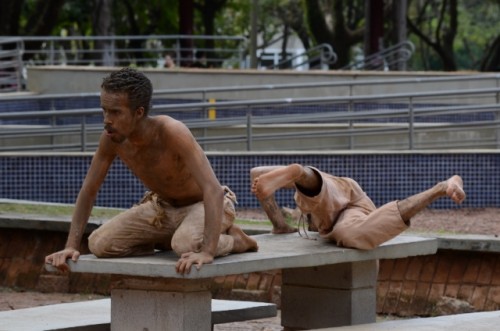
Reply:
x=154, y=167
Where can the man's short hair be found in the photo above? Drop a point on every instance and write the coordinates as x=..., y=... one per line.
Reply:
x=134, y=84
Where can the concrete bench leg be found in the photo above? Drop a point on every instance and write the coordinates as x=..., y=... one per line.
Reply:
x=145, y=304
x=328, y=296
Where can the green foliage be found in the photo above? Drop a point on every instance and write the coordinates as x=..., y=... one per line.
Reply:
x=136, y=17
x=478, y=23
x=478, y=27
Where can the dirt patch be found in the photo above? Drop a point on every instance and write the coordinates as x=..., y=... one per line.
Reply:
x=11, y=299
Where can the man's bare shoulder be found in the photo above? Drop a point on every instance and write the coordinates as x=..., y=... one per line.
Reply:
x=165, y=119
x=172, y=129
x=169, y=123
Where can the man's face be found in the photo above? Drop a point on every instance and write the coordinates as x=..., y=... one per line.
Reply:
x=119, y=119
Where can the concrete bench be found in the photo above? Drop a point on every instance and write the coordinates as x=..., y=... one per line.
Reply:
x=481, y=321
x=95, y=315
x=322, y=285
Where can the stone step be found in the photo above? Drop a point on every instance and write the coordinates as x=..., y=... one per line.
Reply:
x=95, y=315
x=480, y=321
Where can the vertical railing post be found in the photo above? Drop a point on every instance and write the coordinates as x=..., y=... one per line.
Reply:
x=53, y=121
x=410, y=124
x=350, y=109
x=83, y=135
x=51, y=52
x=249, y=129
x=113, y=52
x=204, y=111
x=497, y=114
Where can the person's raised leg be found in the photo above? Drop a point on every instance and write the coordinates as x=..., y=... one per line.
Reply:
x=269, y=204
x=267, y=180
x=453, y=188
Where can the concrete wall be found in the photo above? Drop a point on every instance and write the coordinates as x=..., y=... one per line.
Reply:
x=68, y=79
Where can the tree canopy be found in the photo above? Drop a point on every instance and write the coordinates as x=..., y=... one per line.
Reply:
x=449, y=35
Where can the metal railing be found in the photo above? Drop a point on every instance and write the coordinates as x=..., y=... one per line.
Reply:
x=385, y=59
x=206, y=93
x=147, y=50
x=318, y=57
x=397, y=121
x=11, y=64
x=150, y=51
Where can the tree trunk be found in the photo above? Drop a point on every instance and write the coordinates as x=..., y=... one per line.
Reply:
x=102, y=27
x=443, y=44
x=340, y=37
x=491, y=61
x=186, y=19
x=42, y=21
x=10, y=17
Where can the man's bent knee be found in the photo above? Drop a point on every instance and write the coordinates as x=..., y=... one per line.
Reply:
x=181, y=246
x=99, y=246
x=102, y=246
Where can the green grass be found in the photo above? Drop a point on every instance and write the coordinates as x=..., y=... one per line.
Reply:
x=53, y=210
x=67, y=211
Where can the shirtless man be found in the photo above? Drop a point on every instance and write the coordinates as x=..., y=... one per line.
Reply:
x=187, y=209
x=338, y=207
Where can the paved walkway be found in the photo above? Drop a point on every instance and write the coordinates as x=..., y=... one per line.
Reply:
x=264, y=324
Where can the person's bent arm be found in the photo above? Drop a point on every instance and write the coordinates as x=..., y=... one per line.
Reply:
x=213, y=200
x=84, y=203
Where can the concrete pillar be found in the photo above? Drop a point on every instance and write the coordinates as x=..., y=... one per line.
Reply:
x=329, y=296
x=159, y=304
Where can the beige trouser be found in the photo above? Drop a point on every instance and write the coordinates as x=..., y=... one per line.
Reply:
x=155, y=224
x=344, y=214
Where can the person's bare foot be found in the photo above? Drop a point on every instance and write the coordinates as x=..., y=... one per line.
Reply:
x=454, y=189
x=242, y=242
x=266, y=184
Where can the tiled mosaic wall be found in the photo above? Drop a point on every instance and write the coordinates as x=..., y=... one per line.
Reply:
x=384, y=177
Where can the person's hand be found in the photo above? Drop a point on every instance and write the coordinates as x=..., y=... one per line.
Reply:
x=58, y=259
x=183, y=266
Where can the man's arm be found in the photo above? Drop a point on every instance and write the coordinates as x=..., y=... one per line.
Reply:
x=84, y=203
x=213, y=200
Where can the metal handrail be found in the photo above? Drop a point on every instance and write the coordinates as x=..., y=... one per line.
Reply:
x=323, y=54
x=400, y=52
x=204, y=91
x=57, y=50
x=263, y=102
x=411, y=128
x=11, y=65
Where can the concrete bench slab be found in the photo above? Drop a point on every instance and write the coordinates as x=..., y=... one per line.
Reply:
x=481, y=321
x=95, y=315
x=275, y=252
x=323, y=285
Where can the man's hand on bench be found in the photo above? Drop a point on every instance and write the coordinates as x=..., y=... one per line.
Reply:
x=58, y=259
x=183, y=266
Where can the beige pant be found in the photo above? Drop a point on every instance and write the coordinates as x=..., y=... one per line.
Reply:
x=343, y=213
x=154, y=224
